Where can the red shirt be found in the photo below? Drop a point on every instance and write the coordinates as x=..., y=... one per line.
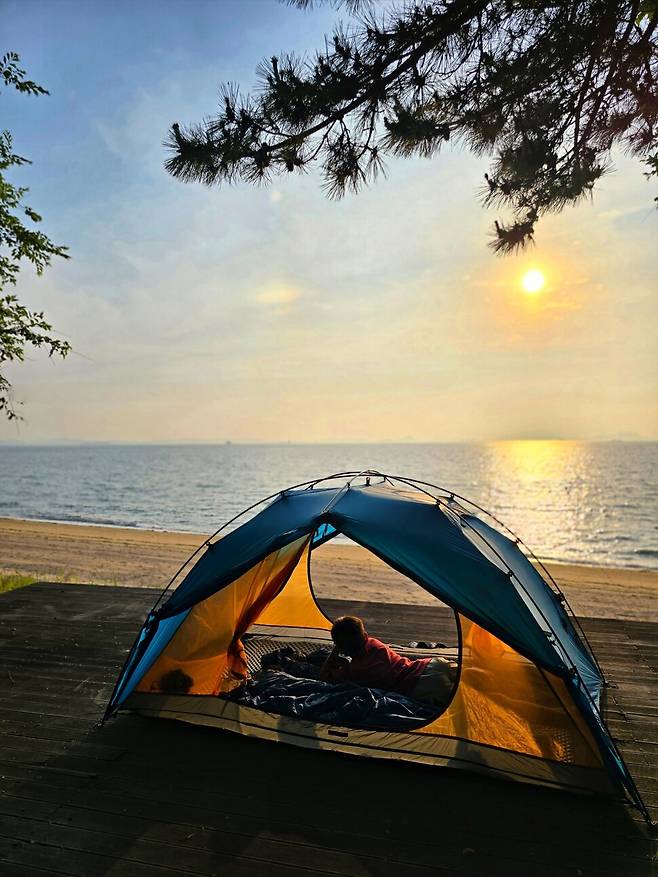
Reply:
x=378, y=666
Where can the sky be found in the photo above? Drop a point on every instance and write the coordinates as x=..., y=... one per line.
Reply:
x=268, y=314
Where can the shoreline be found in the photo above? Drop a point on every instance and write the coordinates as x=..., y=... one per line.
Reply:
x=134, y=528
x=133, y=556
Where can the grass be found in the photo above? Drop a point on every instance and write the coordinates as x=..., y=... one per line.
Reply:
x=11, y=581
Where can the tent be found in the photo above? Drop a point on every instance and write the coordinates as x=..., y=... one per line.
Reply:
x=526, y=701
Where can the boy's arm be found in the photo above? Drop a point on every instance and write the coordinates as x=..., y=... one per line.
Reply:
x=332, y=666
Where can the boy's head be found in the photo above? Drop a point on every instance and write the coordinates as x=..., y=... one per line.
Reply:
x=349, y=635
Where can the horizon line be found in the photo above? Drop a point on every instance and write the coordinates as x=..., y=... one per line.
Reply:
x=286, y=443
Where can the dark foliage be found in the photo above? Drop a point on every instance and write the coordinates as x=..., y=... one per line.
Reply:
x=20, y=327
x=545, y=88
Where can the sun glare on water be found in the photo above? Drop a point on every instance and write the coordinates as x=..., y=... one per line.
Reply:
x=532, y=281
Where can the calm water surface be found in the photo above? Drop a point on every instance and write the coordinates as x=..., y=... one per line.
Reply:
x=570, y=501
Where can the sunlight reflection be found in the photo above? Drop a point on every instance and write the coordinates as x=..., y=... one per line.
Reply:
x=536, y=460
x=551, y=495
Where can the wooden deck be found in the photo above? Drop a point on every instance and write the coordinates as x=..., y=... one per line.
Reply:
x=152, y=797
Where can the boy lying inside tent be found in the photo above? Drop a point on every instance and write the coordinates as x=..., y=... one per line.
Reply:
x=374, y=664
x=373, y=687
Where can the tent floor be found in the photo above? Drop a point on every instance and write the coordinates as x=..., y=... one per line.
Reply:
x=147, y=797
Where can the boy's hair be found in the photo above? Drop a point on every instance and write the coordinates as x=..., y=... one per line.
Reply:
x=349, y=634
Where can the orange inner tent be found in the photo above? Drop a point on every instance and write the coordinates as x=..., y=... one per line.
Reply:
x=500, y=699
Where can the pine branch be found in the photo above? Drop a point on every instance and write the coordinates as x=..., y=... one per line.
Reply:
x=547, y=89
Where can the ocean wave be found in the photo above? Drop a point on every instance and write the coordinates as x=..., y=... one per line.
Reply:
x=89, y=520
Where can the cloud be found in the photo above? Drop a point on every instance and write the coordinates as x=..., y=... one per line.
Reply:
x=279, y=297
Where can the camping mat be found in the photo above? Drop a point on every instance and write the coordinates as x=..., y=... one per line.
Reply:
x=257, y=645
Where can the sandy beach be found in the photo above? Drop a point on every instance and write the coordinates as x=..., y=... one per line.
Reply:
x=146, y=558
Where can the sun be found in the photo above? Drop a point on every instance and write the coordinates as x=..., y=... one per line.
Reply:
x=532, y=281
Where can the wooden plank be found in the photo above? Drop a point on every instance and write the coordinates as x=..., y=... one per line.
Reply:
x=196, y=848
x=277, y=768
x=323, y=832
x=119, y=800
x=36, y=857
x=279, y=773
x=10, y=869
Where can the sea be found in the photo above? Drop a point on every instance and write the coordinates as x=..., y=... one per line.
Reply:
x=570, y=501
